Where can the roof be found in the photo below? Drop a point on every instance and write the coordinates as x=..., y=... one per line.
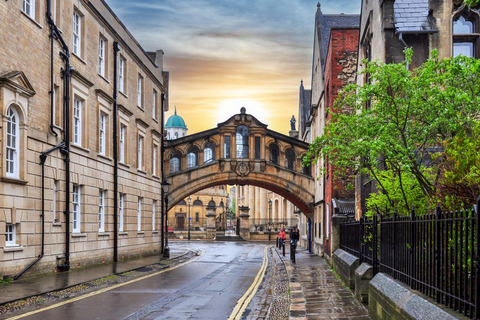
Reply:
x=324, y=23
x=344, y=206
x=175, y=121
x=413, y=16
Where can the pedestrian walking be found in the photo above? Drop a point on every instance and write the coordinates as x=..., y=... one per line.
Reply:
x=283, y=236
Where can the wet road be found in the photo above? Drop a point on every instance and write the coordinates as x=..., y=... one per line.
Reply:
x=207, y=288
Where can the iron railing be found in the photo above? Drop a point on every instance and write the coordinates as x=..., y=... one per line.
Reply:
x=437, y=254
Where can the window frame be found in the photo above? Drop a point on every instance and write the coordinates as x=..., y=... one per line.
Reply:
x=139, y=214
x=274, y=158
x=175, y=156
x=140, y=86
x=140, y=151
x=12, y=234
x=154, y=159
x=122, y=144
x=55, y=201
x=76, y=209
x=241, y=142
x=102, y=46
x=31, y=11
x=192, y=154
x=154, y=104
x=101, y=210
x=12, y=156
x=77, y=33
x=78, y=105
x=122, y=65
x=154, y=208
x=121, y=212
x=102, y=134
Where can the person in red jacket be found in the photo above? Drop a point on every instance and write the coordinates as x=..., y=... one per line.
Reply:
x=282, y=235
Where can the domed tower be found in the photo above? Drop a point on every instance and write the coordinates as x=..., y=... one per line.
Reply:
x=175, y=127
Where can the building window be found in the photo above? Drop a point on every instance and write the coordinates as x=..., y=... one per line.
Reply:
x=140, y=91
x=327, y=221
x=101, y=56
x=55, y=201
x=140, y=153
x=226, y=151
x=290, y=155
x=76, y=209
x=257, y=147
x=176, y=135
x=102, y=134
x=77, y=121
x=123, y=131
x=175, y=162
x=307, y=170
x=274, y=153
x=121, y=74
x=192, y=157
x=154, y=207
x=13, y=135
x=139, y=214
x=101, y=211
x=197, y=217
x=29, y=8
x=208, y=153
x=10, y=235
x=154, y=160
x=121, y=214
x=154, y=105
x=242, y=142
x=464, y=37
x=77, y=34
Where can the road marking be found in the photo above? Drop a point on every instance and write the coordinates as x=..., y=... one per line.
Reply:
x=88, y=295
x=250, y=293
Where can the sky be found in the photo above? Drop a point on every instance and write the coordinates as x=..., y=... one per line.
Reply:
x=223, y=55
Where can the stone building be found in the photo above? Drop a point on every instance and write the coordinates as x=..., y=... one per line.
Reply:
x=62, y=116
x=334, y=66
x=388, y=27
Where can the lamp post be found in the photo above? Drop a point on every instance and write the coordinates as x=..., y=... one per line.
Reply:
x=189, y=201
x=269, y=219
x=165, y=188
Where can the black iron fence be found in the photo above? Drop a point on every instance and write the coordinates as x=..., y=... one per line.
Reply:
x=437, y=254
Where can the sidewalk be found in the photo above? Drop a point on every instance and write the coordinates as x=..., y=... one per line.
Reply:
x=316, y=291
x=27, y=287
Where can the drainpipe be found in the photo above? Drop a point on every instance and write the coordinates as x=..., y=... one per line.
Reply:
x=400, y=37
x=43, y=158
x=162, y=151
x=116, y=48
x=52, y=91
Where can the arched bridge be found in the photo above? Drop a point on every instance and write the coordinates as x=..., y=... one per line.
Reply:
x=240, y=151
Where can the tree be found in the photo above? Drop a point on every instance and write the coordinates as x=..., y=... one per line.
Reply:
x=410, y=137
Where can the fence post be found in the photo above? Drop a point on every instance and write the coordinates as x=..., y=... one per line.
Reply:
x=412, y=249
x=375, y=244
x=438, y=247
x=394, y=244
x=361, y=236
x=477, y=264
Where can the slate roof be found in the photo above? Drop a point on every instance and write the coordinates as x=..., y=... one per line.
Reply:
x=326, y=22
x=344, y=206
x=412, y=16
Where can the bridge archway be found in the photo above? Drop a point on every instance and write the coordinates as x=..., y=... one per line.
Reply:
x=239, y=151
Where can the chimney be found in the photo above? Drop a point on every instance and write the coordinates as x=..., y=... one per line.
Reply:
x=159, y=59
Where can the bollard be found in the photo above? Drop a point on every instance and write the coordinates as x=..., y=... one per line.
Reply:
x=278, y=245
x=283, y=248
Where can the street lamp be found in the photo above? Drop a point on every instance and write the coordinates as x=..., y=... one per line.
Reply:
x=165, y=189
x=189, y=201
x=269, y=219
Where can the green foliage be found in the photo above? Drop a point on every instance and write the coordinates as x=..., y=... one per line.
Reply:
x=233, y=208
x=471, y=3
x=414, y=116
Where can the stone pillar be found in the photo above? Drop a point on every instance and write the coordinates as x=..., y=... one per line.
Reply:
x=244, y=223
x=263, y=205
x=335, y=236
x=211, y=228
x=251, y=202
x=257, y=204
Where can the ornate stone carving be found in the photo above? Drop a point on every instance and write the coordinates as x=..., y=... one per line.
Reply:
x=242, y=169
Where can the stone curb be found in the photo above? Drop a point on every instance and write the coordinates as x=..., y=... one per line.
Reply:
x=298, y=309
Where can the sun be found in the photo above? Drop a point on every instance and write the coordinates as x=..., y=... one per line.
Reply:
x=229, y=107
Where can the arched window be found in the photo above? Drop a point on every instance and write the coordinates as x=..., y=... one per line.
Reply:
x=464, y=37
x=290, y=155
x=175, y=162
x=182, y=203
x=274, y=153
x=242, y=142
x=13, y=137
x=176, y=135
x=168, y=136
x=307, y=170
x=197, y=203
x=209, y=152
x=192, y=157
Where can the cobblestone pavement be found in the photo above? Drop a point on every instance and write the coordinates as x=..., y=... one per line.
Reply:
x=271, y=301
x=317, y=293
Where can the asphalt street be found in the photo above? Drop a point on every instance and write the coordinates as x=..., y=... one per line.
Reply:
x=206, y=288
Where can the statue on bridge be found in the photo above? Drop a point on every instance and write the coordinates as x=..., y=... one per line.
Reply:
x=292, y=123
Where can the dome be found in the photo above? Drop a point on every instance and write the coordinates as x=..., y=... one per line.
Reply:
x=175, y=121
